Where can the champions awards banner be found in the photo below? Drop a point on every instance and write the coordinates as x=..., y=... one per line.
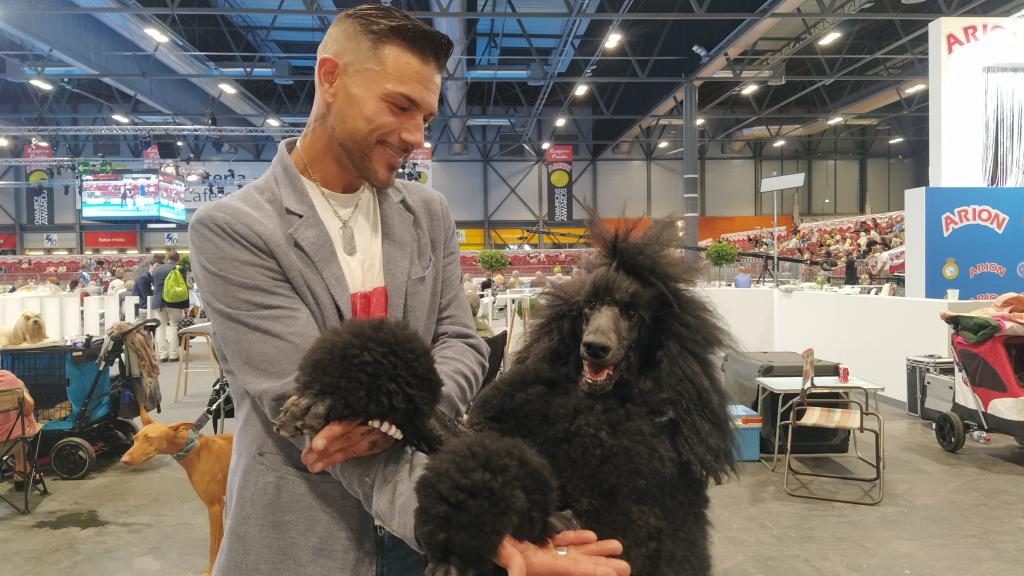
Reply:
x=417, y=167
x=974, y=242
x=39, y=203
x=559, y=160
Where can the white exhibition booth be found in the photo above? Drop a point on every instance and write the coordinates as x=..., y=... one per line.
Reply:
x=872, y=335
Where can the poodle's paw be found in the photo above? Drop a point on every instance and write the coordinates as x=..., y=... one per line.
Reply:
x=305, y=414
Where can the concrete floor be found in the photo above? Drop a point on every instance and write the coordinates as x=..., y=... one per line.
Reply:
x=942, y=514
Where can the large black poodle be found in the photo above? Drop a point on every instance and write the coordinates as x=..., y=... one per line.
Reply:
x=615, y=389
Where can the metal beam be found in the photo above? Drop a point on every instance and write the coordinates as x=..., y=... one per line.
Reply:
x=560, y=79
x=727, y=16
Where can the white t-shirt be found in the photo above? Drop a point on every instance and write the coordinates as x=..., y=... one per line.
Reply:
x=364, y=272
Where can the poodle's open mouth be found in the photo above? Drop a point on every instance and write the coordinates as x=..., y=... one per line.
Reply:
x=597, y=378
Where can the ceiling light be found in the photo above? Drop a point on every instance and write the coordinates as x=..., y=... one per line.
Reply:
x=778, y=143
x=749, y=89
x=896, y=140
x=581, y=89
x=228, y=88
x=41, y=84
x=273, y=122
x=663, y=144
x=700, y=122
x=915, y=89
x=156, y=35
x=120, y=118
x=192, y=177
x=4, y=142
x=545, y=145
x=428, y=145
x=560, y=121
x=613, y=40
x=180, y=143
x=42, y=144
x=829, y=38
x=835, y=120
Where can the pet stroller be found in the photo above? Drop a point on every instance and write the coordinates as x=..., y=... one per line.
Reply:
x=988, y=389
x=76, y=400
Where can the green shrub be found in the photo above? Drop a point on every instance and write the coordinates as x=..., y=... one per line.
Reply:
x=493, y=261
x=721, y=254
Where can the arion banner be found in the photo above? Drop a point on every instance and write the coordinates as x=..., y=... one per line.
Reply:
x=559, y=160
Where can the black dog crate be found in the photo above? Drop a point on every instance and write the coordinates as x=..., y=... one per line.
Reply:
x=740, y=371
x=918, y=369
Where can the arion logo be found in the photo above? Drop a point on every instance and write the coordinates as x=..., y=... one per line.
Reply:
x=1020, y=269
x=987, y=267
x=974, y=214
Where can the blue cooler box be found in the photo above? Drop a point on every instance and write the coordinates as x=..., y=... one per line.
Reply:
x=748, y=433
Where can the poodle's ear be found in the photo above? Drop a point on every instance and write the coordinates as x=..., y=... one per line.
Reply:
x=690, y=335
x=554, y=336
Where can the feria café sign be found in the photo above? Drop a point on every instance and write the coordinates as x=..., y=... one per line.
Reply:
x=225, y=179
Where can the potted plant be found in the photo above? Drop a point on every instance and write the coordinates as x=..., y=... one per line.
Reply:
x=493, y=261
x=721, y=254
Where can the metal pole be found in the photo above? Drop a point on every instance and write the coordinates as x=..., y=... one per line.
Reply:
x=775, y=231
x=691, y=174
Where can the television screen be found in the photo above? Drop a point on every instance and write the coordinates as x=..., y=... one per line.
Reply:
x=132, y=197
x=172, y=200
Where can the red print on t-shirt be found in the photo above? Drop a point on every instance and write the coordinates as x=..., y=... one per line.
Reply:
x=371, y=303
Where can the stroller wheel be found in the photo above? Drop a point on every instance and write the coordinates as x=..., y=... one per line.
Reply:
x=122, y=435
x=72, y=458
x=949, y=431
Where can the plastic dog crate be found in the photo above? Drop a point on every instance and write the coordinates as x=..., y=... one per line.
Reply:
x=747, y=424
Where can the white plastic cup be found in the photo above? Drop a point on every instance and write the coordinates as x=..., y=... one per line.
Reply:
x=952, y=294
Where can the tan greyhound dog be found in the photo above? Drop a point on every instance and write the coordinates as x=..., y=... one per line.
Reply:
x=204, y=458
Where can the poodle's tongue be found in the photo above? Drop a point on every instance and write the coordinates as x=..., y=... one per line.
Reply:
x=598, y=374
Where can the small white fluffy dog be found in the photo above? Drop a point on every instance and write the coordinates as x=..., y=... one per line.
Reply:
x=29, y=329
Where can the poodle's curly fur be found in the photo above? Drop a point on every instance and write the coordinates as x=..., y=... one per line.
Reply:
x=364, y=370
x=632, y=462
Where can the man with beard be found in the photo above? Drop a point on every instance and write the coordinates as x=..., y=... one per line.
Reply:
x=328, y=234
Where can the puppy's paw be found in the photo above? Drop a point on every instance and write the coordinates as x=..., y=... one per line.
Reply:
x=306, y=414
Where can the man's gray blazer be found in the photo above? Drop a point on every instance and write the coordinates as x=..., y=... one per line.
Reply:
x=271, y=282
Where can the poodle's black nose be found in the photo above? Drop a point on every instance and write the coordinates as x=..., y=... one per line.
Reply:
x=595, y=349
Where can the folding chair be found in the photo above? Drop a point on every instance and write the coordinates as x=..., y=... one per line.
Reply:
x=17, y=436
x=808, y=412
x=187, y=334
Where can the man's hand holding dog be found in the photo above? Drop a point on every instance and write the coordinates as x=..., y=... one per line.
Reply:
x=582, y=554
x=341, y=441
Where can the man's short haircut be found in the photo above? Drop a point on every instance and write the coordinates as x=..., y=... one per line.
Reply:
x=384, y=25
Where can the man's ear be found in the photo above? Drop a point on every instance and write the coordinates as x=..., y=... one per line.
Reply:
x=328, y=75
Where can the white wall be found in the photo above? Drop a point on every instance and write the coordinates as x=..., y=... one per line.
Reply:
x=837, y=180
x=622, y=188
x=873, y=335
x=729, y=187
x=666, y=188
x=462, y=185
x=512, y=172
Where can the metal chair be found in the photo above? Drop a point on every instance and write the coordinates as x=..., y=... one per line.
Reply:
x=809, y=412
x=18, y=436
x=184, y=367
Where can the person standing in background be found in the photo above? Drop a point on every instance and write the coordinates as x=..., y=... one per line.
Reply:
x=169, y=313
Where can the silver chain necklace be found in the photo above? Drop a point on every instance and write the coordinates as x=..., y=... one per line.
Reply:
x=348, y=236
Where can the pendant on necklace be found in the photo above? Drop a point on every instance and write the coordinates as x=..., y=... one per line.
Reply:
x=348, y=240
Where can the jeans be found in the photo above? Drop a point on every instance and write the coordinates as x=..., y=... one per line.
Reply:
x=396, y=558
x=167, y=331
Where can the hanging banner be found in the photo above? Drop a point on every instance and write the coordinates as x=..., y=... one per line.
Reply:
x=417, y=167
x=559, y=183
x=35, y=173
x=39, y=203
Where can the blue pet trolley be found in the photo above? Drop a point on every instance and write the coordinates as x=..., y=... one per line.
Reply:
x=76, y=400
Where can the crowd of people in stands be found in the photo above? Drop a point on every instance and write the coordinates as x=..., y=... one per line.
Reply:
x=852, y=246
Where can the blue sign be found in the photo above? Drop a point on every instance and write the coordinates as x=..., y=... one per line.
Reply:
x=974, y=242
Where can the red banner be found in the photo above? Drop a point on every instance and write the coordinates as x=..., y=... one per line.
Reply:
x=110, y=239
x=8, y=241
